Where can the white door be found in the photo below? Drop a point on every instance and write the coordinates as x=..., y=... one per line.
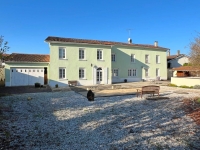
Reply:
x=99, y=77
x=26, y=76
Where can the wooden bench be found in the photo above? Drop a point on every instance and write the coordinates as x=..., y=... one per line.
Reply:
x=72, y=82
x=150, y=89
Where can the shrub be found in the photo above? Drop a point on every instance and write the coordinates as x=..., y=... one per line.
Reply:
x=56, y=85
x=184, y=86
x=173, y=85
x=125, y=80
x=37, y=85
x=198, y=100
x=196, y=87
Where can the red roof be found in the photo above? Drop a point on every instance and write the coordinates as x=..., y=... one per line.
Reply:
x=16, y=57
x=187, y=68
x=73, y=40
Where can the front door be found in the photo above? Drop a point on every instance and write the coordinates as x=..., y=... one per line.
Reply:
x=99, y=76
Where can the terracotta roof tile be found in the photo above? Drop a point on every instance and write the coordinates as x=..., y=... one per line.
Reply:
x=73, y=40
x=28, y=57
x=174, y=56
x=187, y=68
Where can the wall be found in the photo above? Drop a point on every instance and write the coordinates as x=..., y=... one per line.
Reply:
x=123, y=63
x=72, y=63
x=188, y=81
x=21, y=65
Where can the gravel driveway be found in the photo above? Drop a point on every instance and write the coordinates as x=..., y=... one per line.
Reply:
x=67, y=120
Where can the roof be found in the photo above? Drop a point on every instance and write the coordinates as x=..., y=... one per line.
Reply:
x=16, y=57
x=175, y=56
x=98, y=42
x=187, y=68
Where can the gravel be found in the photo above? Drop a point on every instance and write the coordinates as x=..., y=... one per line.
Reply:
x=67, y=120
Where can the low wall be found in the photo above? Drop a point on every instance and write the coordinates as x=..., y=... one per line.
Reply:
x=188, y=81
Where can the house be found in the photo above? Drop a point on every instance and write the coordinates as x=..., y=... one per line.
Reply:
x=93, y=62
x=174, y=61
x=186, y=75
x=26, y=69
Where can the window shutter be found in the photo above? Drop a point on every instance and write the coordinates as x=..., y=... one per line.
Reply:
x=106, y=75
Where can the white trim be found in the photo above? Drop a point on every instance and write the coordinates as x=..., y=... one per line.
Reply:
x=62, y=73
x=133, y=58
x=82, y=68
x=100, y=50
x=158, y=62
x=84, y=51
x=114, y=57
x=63, y=49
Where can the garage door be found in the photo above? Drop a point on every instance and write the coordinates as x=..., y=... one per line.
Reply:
x=26, y=76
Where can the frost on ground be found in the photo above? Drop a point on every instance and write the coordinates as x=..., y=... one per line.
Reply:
x=67, y=120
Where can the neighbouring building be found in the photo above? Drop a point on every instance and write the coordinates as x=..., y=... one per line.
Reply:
x=92, y=62
x=174, y=61
x=26, y=69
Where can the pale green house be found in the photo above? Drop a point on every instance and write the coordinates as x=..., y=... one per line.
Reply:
x=92, y=62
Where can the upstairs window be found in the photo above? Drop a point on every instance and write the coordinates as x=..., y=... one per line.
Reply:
x=99, y=54
x=113, y=57
x=62, y=53
x=157, y=59
x=132, y=57
x=81, y=53
x=146, y=59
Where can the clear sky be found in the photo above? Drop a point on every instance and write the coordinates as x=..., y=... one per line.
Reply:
x=25, y=24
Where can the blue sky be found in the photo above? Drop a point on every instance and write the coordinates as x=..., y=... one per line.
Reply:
x=25, y=24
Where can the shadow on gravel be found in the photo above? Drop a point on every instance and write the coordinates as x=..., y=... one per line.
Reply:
x=69, y=121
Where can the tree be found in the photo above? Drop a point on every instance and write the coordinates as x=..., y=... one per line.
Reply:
x=194, y=54
x=3, y=46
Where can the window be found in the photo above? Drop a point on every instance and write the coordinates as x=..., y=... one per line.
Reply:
x=132, y=57
x=62, y=73
x=132, y=72
x=157, y=59
x=81, y=73
x=62, y=54
x=99, y=54
x=81, y=53
x=146, y=59
x=129, y=72
x=146, y=72
x=113, y=57
x=157, y=72
x=115, y=72
x=168, y=65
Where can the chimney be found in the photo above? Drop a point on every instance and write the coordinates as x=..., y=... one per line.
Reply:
x=178, y=52
x=168, y=52
x=129, y=40
x=156, y=43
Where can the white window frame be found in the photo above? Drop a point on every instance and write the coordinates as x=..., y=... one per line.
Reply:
x=114, y=71
x=133, y=58
x=146, y=72
x=83, y=74
x=157, y=72
x=99, y=54
x=129, y=72
x=82, y=55
x=132, y=72
x=158, y=59
x=62, y=70
x=113, y=57
x=62, y=55
x=147, y=58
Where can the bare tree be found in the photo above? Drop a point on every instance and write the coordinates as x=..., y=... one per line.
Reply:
x=194, y=54
x=3, y=46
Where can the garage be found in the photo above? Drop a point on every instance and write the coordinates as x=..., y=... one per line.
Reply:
x=26, y=76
